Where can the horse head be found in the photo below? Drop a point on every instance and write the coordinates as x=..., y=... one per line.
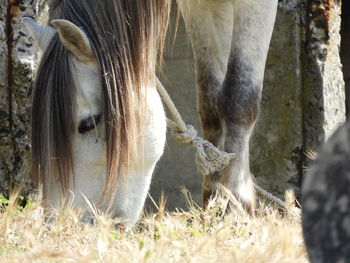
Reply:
x=71, y=117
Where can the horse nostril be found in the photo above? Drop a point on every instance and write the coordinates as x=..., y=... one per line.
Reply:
x=88, y=123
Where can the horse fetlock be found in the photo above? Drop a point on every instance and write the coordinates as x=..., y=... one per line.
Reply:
x=234, y=183
x=244, y=192
x=244, y=196
x=212, y=184
x=239, y=179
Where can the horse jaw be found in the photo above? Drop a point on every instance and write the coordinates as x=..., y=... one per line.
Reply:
x=41, y=34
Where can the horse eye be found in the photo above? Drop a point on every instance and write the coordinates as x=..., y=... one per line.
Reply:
x=88, y=123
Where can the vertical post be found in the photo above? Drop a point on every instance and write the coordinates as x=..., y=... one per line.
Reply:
x=276, y=145
x=17, y=63
x=324, y=88
x=345, y=50
x=5, y=143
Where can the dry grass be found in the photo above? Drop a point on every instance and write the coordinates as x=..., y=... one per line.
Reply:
x=192, y=236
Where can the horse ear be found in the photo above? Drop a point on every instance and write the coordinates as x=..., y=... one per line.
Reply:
x=40, y=33
x=74, y=39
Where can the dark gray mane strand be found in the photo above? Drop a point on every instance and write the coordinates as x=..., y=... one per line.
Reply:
x=52, y=116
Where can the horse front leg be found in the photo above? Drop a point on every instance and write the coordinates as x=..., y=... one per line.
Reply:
x=230, y=40
x=209, y=24
x=241, y=91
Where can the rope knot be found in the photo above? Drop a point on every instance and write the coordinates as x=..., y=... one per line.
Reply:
x=209, y=158
x=185, y=137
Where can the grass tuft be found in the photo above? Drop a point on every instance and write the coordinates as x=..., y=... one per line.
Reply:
x=183, y=236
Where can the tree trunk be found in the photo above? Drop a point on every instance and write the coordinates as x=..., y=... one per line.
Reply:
x=17, y=64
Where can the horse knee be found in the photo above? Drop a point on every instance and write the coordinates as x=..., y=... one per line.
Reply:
x=240, y=96
x=240, y=103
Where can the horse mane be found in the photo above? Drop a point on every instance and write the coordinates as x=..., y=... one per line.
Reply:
x=126, y=36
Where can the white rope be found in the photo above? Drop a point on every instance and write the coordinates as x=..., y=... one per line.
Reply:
x=209, y=159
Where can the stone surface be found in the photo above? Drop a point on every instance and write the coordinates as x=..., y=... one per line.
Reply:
x=277, y=139
x=323, y=84
x=325, y=190
x=345, y=50
x=326, y=201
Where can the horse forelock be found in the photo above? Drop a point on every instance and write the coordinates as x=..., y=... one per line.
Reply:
x=53, y=117
x=126, y=36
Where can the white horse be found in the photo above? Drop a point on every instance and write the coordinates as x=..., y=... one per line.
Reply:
x=98, y=124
